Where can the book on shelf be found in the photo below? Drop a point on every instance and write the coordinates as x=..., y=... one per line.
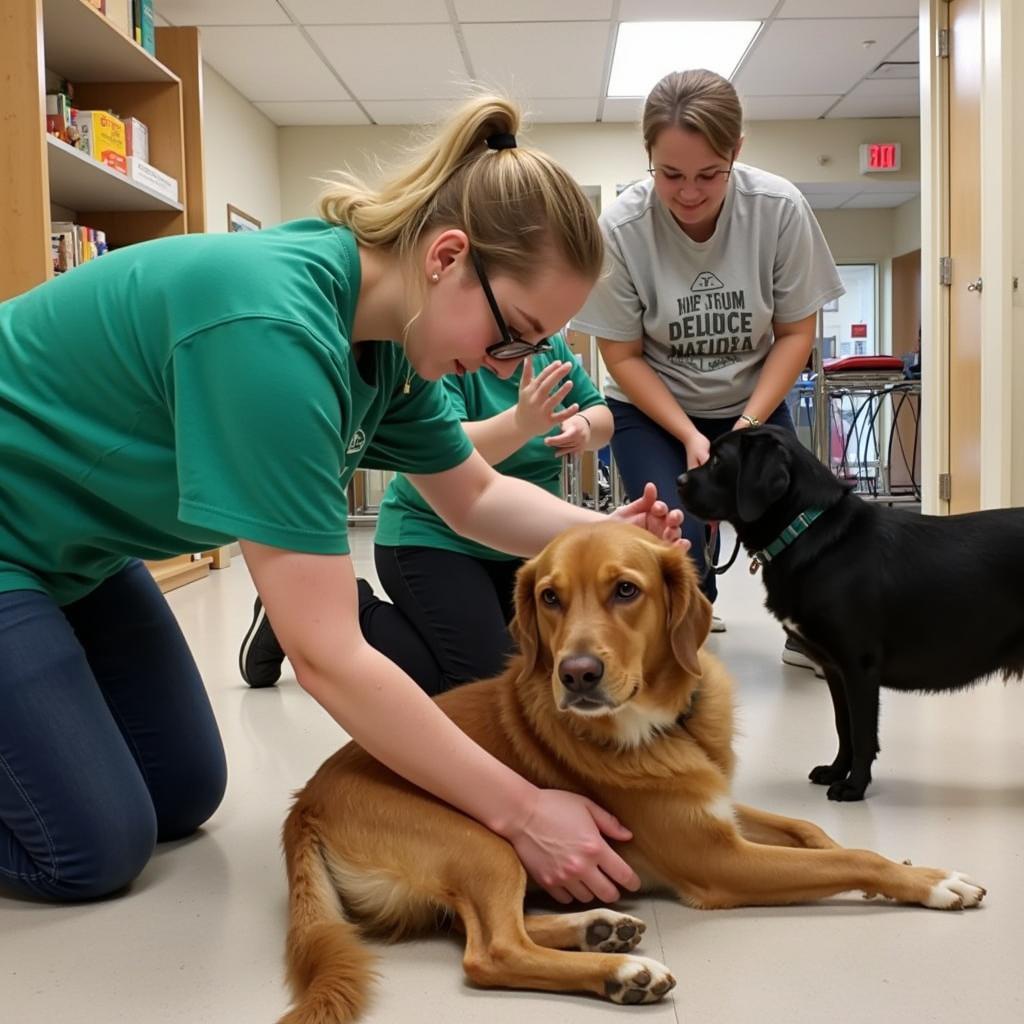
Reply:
x=72, y=244
x=142, y=22
x=119, y=14
x=58, y=115
x=102, y=137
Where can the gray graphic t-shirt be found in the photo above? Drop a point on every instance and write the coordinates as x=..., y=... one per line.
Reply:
x=705, y=309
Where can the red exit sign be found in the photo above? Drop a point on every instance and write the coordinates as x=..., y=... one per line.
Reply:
x=880, y=156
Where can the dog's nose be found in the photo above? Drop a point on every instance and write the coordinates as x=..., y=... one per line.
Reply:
x=580, y=673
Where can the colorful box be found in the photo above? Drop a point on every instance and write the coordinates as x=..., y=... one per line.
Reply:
x=102, y=137
x=136, y=139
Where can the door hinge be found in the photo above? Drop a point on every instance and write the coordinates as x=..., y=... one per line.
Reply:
x=942, y=43
x=945, y=487
x=945, y=270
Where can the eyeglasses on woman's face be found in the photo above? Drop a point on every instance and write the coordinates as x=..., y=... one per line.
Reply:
x=511, y=345
x=703, y=180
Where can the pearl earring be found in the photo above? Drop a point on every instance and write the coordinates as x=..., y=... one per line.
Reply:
x=435, y=277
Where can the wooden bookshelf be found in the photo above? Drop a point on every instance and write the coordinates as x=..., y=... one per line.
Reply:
x=44, y=179
x=83, y=184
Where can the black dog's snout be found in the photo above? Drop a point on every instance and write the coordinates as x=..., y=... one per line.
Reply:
x=580, y=673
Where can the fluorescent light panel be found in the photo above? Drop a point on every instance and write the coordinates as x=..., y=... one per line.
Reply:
x=646, y=51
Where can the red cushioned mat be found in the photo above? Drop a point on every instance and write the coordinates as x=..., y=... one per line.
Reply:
x=862, y=364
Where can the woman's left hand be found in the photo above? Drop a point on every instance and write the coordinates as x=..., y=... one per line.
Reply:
x=573, y=439
x=654, y=516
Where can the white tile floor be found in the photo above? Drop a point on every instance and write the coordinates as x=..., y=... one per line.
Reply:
x=199, y=936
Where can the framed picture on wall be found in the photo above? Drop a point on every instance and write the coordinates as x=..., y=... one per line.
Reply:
x=239, y=220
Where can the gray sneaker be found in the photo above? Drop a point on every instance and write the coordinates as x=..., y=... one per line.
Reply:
x=717, y=625
x=794, y=653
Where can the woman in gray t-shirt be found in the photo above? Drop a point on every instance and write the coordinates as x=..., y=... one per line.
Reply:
x=715, y=274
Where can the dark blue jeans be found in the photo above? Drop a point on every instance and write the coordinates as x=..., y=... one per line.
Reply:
x=108, y=744
x=644, y=452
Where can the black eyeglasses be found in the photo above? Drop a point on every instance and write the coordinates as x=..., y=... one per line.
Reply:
x=510, y=346
x=702, y=181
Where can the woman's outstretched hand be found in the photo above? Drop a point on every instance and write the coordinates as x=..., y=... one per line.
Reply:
x=654, y=516
x=537, y=408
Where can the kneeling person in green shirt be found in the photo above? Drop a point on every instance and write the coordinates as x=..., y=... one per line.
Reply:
x=184, y=392
x=451, y=596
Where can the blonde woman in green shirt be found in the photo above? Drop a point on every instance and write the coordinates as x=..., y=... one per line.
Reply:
x=187, y=391
x=451, y=597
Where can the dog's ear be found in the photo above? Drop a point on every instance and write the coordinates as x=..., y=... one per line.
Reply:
x=689, y=611
x=763, y=475
x=524, y=624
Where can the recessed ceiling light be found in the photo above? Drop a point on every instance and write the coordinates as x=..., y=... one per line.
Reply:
x=646, y=51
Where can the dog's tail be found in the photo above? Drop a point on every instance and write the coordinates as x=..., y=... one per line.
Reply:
x=330, y=970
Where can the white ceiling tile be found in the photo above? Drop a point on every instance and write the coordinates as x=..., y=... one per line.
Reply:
x=534, y=60
x=695, y=10
x=910, y=50
x=875, y=88
x=221, y=12
x=785, y=108
x=314, y=112
x=270, y=64
x=623, y=109
x=818, y=56
x=844, y=9
x=560, y=111
x=827, y=200
x=532, y=10
x=409, y=111
x=359, y=12
x=823, y=188
x=858, y=104
x=394, y=62
x=878, y=200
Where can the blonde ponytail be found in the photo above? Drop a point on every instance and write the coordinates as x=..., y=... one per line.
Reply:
x=513, y=203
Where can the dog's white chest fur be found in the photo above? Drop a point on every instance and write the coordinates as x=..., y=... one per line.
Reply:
x=637, y=725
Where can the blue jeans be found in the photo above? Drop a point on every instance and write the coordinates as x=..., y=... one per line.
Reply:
x=644, y=452
x=108, y=744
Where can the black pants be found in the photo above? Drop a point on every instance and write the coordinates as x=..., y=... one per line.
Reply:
x=448, y=620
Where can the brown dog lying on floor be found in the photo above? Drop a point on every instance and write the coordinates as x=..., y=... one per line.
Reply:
x=612, y=697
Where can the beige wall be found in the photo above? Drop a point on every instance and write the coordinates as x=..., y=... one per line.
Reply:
x=240, y=152
x=1016, y=143
x=906, y=227
x=605, y=155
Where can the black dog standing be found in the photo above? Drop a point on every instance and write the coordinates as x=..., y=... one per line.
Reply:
x=880, y=597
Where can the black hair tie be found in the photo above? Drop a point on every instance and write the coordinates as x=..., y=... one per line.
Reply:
x=501, y=140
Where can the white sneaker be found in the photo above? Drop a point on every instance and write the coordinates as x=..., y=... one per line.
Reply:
x=794, y=653
x=717, y=625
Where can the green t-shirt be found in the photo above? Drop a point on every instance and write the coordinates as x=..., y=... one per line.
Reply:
x=405, y=519
x=181, y=393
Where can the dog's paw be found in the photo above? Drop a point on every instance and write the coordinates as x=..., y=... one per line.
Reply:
x=826, y=774
x=639, y=980
x=846, y=791
x=605, y=931
x=955, y=892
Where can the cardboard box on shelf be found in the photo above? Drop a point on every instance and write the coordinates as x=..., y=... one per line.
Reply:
x=136, y=138
x=146, y=174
